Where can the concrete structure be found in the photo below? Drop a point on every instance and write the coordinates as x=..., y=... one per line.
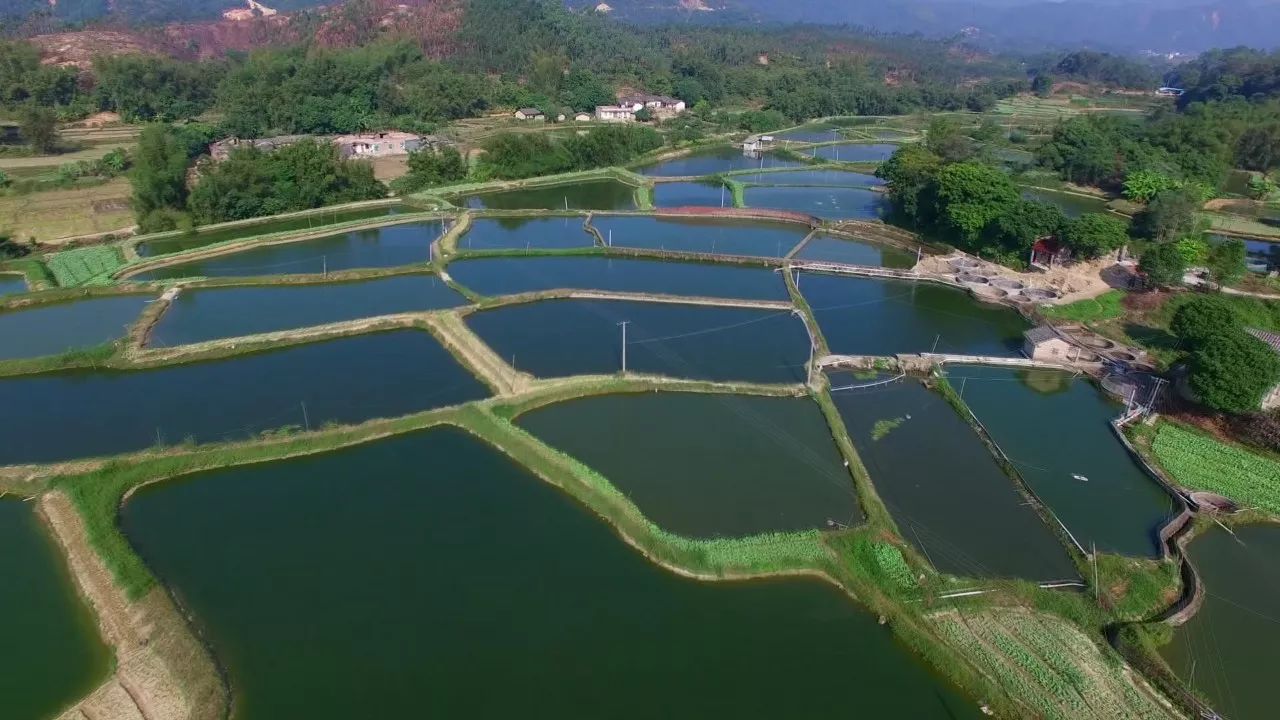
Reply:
x=1169, y=92
x=1044, y=344
x=756, y=143
x=582, y=117
x=530, y=114
x=659, y=105
x=379, y=144
x=1047, y=252
x=615, y=113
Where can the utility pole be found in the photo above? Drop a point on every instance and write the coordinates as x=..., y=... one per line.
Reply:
x=721, y=194
x=935, y=343
x=325, y=260
x=306, y=421
x=1097, y=591
x=623, y=325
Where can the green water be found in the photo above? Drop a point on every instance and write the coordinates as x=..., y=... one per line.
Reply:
x=827, y=248
x=682, y=194
x=52, y=329
x=1053, y=427
x=525, y=233
x=210, y=314
x=52, y=654
x=509, y=276
x=714, y=161
x=428, y=576
x=1222, y=651
x=12, y=284
x=709, y=465
x=942, y=485
x=688, y=341
x=867, y=316
x=701, y=235
x=389, y=246
x=1071, y=205
x=198, y=239
x=588, y=195
x=87, y=413
x=832, y=203
x=817, y=132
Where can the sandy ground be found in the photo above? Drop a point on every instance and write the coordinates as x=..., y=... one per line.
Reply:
x=162, y=671
x=1078, y=281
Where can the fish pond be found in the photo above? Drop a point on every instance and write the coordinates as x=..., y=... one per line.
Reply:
x=11, y=284
x=706, y=235
x=516, y=233
x=508, y=276
x=102, y=412
x=855, y=152
x=815, y=133
x=709, y=465
x=199, y=239
x=1070, y=204
x=1056, y=430
x=511, y=586
x=682, y=194
x=42, y=330
x=554, y=338
x=829, y=178
x=828, y=248
x=714, y=161
x=213, y=313
x=1221, y=650
x=587, y=195
x=953, y=502
x=389, y=246
x=834, y=203
x=869, y=316
x=52, y=654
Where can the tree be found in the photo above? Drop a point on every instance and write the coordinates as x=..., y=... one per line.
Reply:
x=758, y=121
x=1203, y=317
x=1142, y=185
x=1232, y=371
x=429, y=168
x=1094, y=234
x=4, y=179
x=1170, y=215
x=1042, y=85
x=1226, y=262
x=1018, y=227
x=1261, y=187
x=907, y=173
x=967, y=196
x=584, y=90
x=1163, y=265
x=159, y=175
x=39, y=127
x=944, y=139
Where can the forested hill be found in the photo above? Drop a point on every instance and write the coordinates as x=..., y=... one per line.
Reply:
x=1132, y=26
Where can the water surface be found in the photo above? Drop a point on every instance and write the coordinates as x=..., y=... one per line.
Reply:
x=198, y=239
x=52, y=654
x=868, y=316
x=827, y=248
x=833, y=203
x=714, y=161
x=836, y=178
x=682, y=194
x=213, y=313
x=455, y=584
x=588, y=195
x=389, y=246
x=99, y=412
x=1054, y=428
x=525, y=233
x=855, y=152
x=508, y=276
x=701, y=235
x=52, y=329
x=953, y=502
x=1071, y=205
x=11, y=284
x=689, y=341
x=818, y=132
x=1220, y=650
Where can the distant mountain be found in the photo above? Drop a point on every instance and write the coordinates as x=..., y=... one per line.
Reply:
x=1157, y=26
x=139, y=12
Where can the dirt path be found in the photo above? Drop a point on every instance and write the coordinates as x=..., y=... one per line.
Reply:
x=162, y=671
x=478, y=356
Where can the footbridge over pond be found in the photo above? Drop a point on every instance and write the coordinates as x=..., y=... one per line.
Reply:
x=924, y=362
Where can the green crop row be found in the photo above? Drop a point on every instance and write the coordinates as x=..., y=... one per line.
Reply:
x=88, y=265
x=1199, y=462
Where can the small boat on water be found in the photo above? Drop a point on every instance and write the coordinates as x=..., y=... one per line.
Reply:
x=1081, y=478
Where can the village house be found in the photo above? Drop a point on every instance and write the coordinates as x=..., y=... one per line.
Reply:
x=530, y=114
x=379, y=144
x=582, y=117
x=222, y=149
x=752, y=146
x=661, y=106
x=1043, y=343
x=1047, y=252
x=615, y=113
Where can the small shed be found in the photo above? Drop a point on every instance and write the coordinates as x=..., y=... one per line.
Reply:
x=1047, y=252
x=582, y=117
x=529, y=114
x=1043, y=343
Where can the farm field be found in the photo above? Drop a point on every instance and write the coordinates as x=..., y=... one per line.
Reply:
x=53, y=215
x=1199, y=462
